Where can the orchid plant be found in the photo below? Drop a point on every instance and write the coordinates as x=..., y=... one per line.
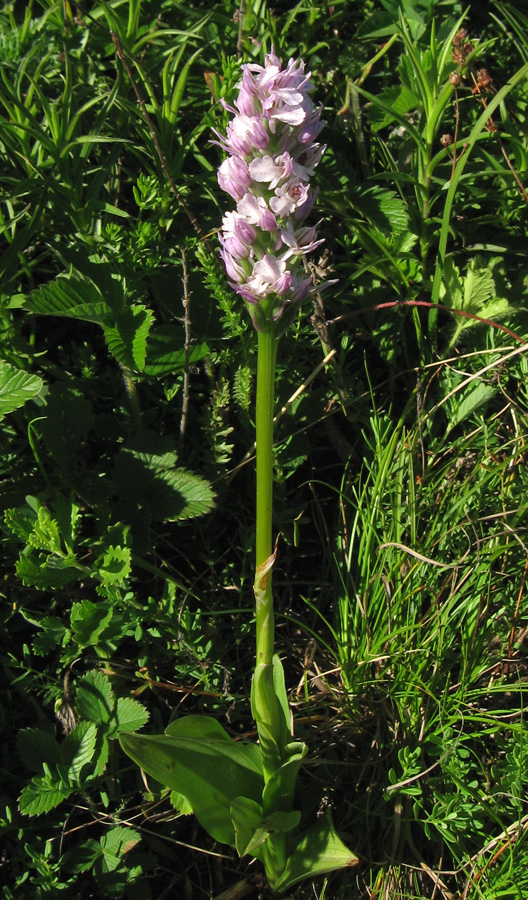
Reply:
x=244, y=794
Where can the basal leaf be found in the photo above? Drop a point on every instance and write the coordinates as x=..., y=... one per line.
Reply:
x=280, y=789
x=277, y=822
x=199, y=760
x=246, y=815
x=253, y=829
x=318, y=852
x=16, y=387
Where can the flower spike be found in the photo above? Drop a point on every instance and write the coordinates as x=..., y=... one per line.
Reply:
x=272, y=153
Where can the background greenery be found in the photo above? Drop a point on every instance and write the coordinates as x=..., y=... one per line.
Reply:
x=126, y=443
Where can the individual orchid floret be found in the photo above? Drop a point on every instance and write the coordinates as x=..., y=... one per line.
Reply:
x=234, y=177
x=272, y=154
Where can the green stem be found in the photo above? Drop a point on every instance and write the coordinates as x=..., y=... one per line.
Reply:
x=265, y=704
x=267, y=355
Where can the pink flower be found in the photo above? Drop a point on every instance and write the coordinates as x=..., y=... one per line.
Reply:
x=255, y=210
x=272, y=154
x=271, y=169
x=288, y=197
x=299, y=242
x=269, y=277
x=233, y=176
x=244, y=134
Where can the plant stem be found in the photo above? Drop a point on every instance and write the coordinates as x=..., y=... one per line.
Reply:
x=267, y=355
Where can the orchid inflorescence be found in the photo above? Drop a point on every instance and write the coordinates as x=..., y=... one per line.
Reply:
x=272, y=152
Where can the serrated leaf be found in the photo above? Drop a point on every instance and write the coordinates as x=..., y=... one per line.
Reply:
x=95, y=699
x=78, y=749
x=119, y=840
x=149, y=481
x=130, y=715
x=52, y=635
x=16, y=388
x=102, y=753
x=45, y=535
x=45, y=572
x=180, y=803
x=115, y=565
x=126, y=338
x=81, y=858
x=165, y=351
x=20, y=521
x=479, y=287
x=37, y=747
x=72, y=296
x=41, y=795
x=89, y=621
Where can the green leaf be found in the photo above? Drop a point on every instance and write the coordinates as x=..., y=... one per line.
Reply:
x=95, y=699
x=198, y=759
x=280, y=789
x=180, y=803
x=130, y=715
x=82, y=857
x=73, y=296
x=116, y=842
x=247, y=816
x=45, y=535
x=90, y=621
x=45, y=572
x=127, y=336
x=41, y=795
x=53, y=634
x=16, y=388
x=115, y=565
x=149, y=480
x=318, y=852
x=391, y=104
x=37, y=747
x=253, y=829
x=479, y=395
x=166, y=353
x=78, y=749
